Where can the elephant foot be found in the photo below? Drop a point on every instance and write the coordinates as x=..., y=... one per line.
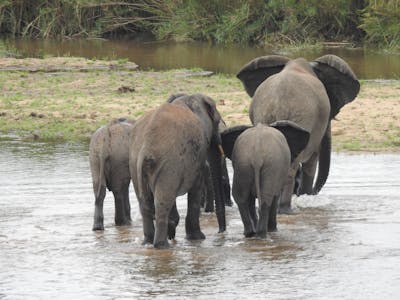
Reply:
x=161, y=245
x=98, y=226
x=249, y=234
x=261, y=234
x=171, y=231
x=198, y=235
x=148, y=240
x=124, y=222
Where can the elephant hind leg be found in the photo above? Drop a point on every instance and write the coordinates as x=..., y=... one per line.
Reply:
x=272, y=223
x=146, y=205
x=192, y=221
x=164, y=203
x=285, y=203
x=173, y=222
x=265, y=211
x=308, y=173
x=121, y=211
x=98, y=207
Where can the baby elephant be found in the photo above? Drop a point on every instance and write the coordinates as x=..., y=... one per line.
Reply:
x=109, y=164
x=261, y=158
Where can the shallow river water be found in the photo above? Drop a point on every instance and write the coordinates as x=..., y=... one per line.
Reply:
x=342, y=244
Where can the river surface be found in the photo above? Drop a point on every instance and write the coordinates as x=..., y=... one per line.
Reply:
x=342, y=244
x=365, y=62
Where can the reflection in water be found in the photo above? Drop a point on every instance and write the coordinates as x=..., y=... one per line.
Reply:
x=224, y=59
x=343, y=243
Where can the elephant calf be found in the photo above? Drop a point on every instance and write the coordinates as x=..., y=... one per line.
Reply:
x=109, y=155
x=261, y=158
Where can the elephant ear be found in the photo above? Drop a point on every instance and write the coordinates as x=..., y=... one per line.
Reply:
x=296, y=137
x=229, y=136
x=259, y=69
x=211, y=108
x=339, y=80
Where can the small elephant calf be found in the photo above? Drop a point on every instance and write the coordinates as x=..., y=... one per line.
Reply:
x=261, y=158
x=109, y=165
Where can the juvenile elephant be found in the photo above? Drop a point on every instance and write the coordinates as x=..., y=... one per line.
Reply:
x=108, y=156
x=309, y=94
x=168, y=151
x=261, y=157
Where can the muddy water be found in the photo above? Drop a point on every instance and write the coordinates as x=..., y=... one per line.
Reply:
x=343, y=243
x=366, y=63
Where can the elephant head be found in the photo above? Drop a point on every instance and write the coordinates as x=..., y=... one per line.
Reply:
x=205, y=109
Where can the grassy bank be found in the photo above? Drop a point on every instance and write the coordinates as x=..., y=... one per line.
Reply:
x=70, y=105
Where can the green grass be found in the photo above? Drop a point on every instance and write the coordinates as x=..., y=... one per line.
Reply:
x=74, y=104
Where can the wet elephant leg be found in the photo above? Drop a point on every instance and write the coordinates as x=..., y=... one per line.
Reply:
x=286, y=196
x=173, y=222
x=308, y=170
x=127, y=205
x=98, y=223
x=264, y=213
x=120, y=209
x=208, y=190
x=192, y=222
x=164, y=202
x=252, y=210
x=147, y=211
x=246, y=204
x=272, y=223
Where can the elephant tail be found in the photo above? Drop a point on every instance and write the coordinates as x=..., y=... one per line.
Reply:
x=324, y=161
x=257, y=183
x=101, y=178
x=145, y=163
x=102, y=159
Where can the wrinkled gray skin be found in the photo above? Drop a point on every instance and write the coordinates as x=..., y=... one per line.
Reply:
x=261, y=158
x=108, y=156
x=168, y=151
x=307, y=93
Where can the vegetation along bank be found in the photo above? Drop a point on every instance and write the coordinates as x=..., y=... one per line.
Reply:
x=372, y=22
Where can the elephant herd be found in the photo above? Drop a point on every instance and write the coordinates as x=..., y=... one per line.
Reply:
x=180, y=148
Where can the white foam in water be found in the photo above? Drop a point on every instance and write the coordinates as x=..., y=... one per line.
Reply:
x=304, y=201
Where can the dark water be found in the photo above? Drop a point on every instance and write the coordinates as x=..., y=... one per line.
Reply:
x=343, y=243
x=366, y=63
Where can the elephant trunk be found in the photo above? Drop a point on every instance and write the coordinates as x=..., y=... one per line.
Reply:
x=215, y=159
x=324, y=161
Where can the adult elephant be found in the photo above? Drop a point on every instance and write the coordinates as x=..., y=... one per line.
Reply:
x=310, y=94
x=168, y=151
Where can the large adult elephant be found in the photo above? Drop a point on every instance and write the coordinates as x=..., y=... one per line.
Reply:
x=310, y=94
x=168, y=151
